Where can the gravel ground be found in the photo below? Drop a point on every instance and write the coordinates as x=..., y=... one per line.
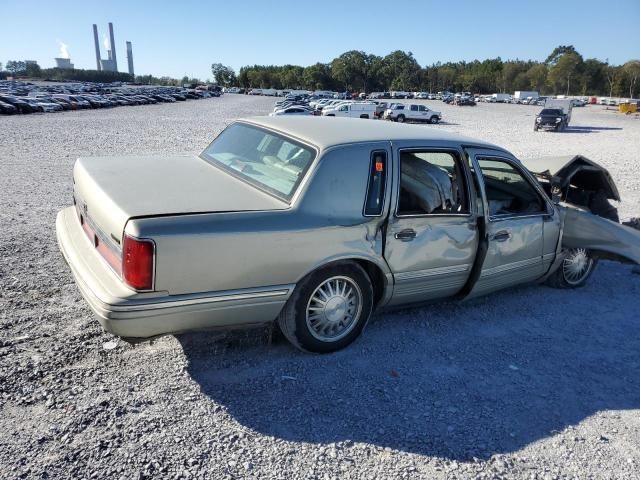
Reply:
x=528, y=383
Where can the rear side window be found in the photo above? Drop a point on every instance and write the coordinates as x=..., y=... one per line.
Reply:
x=377, y=181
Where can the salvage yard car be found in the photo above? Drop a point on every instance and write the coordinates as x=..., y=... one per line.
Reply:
x=316, y=223
x=399, y=112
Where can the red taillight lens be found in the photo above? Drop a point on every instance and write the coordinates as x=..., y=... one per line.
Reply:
x=137, y=262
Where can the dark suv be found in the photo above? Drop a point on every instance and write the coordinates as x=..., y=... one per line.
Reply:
x=551, y=118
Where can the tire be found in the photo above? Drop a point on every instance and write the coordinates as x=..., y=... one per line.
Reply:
x=328, y=333
x=535, y=128
x=567, y=276
x=364, y=116
x=434, y=120
x=400, y=119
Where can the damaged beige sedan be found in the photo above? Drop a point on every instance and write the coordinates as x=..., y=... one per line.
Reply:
x=315, y=223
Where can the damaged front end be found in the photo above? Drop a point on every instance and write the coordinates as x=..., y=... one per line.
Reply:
x=582, y=189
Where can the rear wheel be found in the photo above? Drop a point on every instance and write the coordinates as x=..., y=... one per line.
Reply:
x=328, y=309
x=575, y=270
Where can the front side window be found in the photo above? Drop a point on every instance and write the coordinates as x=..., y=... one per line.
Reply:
x=431, y=183
x=266, y=160
x=508, y=191
x=423, y=108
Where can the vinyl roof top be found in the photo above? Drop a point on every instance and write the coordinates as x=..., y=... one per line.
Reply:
x=325, y=132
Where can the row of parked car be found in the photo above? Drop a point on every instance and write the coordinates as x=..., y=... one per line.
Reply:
x=23, y=97
x=306, y=105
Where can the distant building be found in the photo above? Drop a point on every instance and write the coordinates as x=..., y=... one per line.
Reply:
x=130, y=58
x=111, y=64
x=64, y=63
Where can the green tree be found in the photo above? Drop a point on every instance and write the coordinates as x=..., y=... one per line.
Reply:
x=564, y=69
x=537, y=76
x=223, y=75
x=559, y=52
x=593, y=76
x=15, y=66
x=33, y=70
x=631, y=70
x=317, y=77
x=400, y=71
x=612, y=74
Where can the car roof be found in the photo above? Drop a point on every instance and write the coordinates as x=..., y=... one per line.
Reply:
x=325, y=132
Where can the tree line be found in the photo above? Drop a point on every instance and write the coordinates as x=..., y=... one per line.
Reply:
x=564, y=71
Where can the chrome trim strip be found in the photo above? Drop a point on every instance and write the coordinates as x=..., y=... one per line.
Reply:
x=199, y=300
x=510, y=266
x=431, y=272
x=549, y=256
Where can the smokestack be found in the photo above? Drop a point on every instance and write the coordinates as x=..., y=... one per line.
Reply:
x=112, y=44
x=130, y=58
x=95, y=39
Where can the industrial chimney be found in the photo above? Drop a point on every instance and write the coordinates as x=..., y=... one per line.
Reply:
x=95, y=39
x=112, y=44
x=130, y=58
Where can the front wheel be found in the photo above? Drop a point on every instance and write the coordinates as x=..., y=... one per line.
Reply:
x=328, y=309
x=400, y=119
x=434, y=119
x=575, y=270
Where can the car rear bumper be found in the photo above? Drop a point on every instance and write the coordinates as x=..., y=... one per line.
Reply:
x=127, y=313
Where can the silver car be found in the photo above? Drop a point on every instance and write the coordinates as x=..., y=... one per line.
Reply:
x=316, y=223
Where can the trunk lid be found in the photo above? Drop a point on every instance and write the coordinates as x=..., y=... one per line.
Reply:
x=108, y=191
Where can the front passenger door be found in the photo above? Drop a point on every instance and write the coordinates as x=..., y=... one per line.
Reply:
x=516, y=212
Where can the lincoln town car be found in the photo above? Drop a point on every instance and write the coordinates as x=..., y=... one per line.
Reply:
x=316, y=223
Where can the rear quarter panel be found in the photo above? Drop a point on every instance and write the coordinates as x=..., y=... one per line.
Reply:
x=228, y=251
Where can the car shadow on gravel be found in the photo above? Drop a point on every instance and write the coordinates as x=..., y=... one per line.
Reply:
x=449, y=380
x=588, y=129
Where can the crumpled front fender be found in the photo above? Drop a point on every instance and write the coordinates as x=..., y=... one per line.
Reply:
x=583, y=229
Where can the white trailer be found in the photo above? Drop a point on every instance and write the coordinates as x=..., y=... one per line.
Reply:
x=500, y=98
x=564, y=104
x=523, y=94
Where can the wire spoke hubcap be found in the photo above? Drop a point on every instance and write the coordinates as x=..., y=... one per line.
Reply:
x=577, y=266
x=334, y=308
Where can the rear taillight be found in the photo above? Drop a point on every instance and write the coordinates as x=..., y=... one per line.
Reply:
x=138, y=258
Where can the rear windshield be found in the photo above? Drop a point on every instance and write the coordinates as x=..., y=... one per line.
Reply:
x=264, y=159
x=549, y=111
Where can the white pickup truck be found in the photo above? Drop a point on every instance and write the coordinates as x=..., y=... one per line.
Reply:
x=400, y=112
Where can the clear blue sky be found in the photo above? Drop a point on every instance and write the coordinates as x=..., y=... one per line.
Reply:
x=180, y=38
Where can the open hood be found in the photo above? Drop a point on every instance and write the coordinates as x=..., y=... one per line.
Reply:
x=574, y=171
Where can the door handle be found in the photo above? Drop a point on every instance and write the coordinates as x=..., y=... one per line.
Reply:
x=501, y=236
x=406, y=235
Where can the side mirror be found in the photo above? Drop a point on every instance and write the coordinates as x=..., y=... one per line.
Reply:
x=556, y=190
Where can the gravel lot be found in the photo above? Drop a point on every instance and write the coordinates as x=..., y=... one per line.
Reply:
x=528, y=383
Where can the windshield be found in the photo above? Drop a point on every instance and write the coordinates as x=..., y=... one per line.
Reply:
x=264, y=159
x=549, y=111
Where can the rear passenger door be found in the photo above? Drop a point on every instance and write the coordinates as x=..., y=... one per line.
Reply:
x=431, y=236
x=516, y=213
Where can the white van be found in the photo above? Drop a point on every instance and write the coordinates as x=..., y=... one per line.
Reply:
x=352, y=110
